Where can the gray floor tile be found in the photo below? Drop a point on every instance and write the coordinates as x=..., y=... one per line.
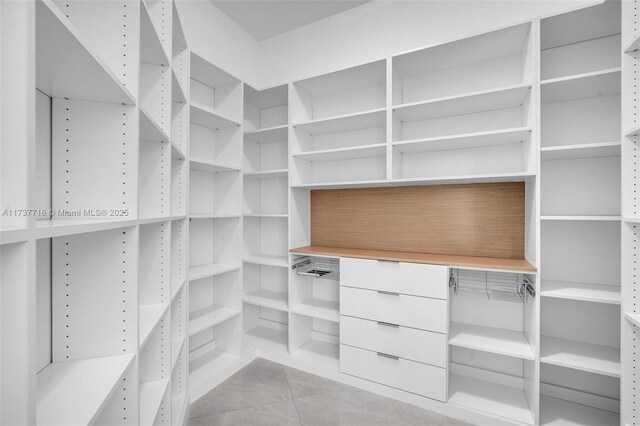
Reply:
x=304, y=384
x=275, y=414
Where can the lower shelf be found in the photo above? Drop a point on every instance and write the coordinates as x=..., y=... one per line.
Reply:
x=633, y=318
x=492, y=398
x=555, y=411
x=209, y=364
x=208, y=317
x=580, y=356
x=151, y=395
x=581, y=291
x=266, y=339
x=150, y=316
x=74, y=392
x=316, y=351
x=318, y=308
x=267, y=299
x=494, y=340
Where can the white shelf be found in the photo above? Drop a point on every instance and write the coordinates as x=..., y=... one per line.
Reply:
x=364, y=151
x=202, y=115
x=204, y=271
x=634, y=131
x=75, y=392
x=269, y=174
x=580, y=356
x=633, y=45
x=14, y=235
x=150, y=316
x=492, y=398
x=570, y=218
x=631, y=219
x=271, y=215
x=176, y=153
x=177, y=91
x=581, y=86
x=493, y=340
x=267, y=259
x=559, y=412
x=320, y=353
x=345, y=123
x=176, y=348
x=468, y=103
x=214, y=215
x=633, y=318
x=268, y=135
x=67, y=66
x=151, y=395
x=581, y=291
x=317, y=308
x=267, y=299
x=588, y=150
x=266, y=339
x=209, y=166
x=469, y=140
x=150, y=130
x=209, y=317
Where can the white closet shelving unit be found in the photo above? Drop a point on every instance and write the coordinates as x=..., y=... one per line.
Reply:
x=107, y=245
x=630, y=134
x=580, y=216
x=215, y=225
x=266, y=213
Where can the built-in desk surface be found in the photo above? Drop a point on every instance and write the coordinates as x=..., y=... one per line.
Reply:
x=488, y=263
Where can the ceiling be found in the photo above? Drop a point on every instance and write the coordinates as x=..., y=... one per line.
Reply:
x=267, y=18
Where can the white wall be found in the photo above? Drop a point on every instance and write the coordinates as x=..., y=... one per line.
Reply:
x=373, y=31
x=214, y=36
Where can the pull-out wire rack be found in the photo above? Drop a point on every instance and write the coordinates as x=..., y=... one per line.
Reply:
x=504, y=286
x=327, y=268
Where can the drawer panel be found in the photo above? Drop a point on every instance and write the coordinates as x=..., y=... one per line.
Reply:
x=410, y=311
x=406, y=278
x=409, y=343
x=410, y=376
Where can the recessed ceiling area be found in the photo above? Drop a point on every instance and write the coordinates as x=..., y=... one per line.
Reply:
x=267, y=18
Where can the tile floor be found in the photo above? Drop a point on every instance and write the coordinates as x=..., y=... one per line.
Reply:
x=265, y=393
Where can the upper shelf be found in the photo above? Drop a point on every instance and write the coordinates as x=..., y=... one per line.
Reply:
x=470, y=262
x=469, y=103
x=581, y=86
x=270, y=134
x=207, y=117
x=67, y=66
x=151, y=50
x=345, y=123
x=468, y=140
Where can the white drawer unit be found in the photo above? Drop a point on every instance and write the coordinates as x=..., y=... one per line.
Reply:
x=379, y=367
x=410, y=311
x=406, y=278
x=405, y=342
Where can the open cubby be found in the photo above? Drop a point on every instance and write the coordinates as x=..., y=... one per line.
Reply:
x=265, y=196
x=154, y=179
x=580, y=42
x=212, y=193
x=265, y=240
x=154, y=287
x=155, y=97
x=265, y=109
x=221, y=147
x=370, y=165
x=316, y=297
x=265, y=153
x=350, y=91
x=213, y=300
x=178, y=255
x=155, y=372
x=265, y=328
x=214, y=241
x=481, y=63
x=265, y=286
x=581, y=187
x=314, y=340
x=215, y=93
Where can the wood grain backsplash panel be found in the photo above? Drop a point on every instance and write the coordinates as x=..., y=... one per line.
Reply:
x=485, y=219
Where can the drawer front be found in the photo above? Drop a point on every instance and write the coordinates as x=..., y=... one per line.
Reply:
x=410, y=311
x=406, y=278
x=410, y=376
x=409, y=343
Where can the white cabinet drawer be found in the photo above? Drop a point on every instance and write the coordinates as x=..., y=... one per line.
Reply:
x=410, y=376
x=409, y=343
x=406, y=278
x=410, y=311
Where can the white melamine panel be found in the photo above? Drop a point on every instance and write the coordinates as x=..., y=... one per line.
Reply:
x=556, y=411
x=314, y=340
x=179, y=126
x=178, y=255
x=411, y=311
x=587, y=252
x=315, y=297
x=594, y=323
x=154, y=264
x=405, y=342
x=265, y=196
x=221, y=146
x=154, y=176
x=356, y=169
x=494, y=340
x=214, y=193
x=224, y=99
x=179, y=171
x=414, y=377
x=95, y=156
x=90, y=275
x=43, y=152
x=587, y=186
x=406, y=278
x=265, y=236
x=155, y=95
x=264, y=156
x=265, y=109
x=500, y=314
x=154, y=364
x=265, y=286
x=43, y=303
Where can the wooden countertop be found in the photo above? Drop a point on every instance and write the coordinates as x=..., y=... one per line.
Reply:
x=488, y=263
